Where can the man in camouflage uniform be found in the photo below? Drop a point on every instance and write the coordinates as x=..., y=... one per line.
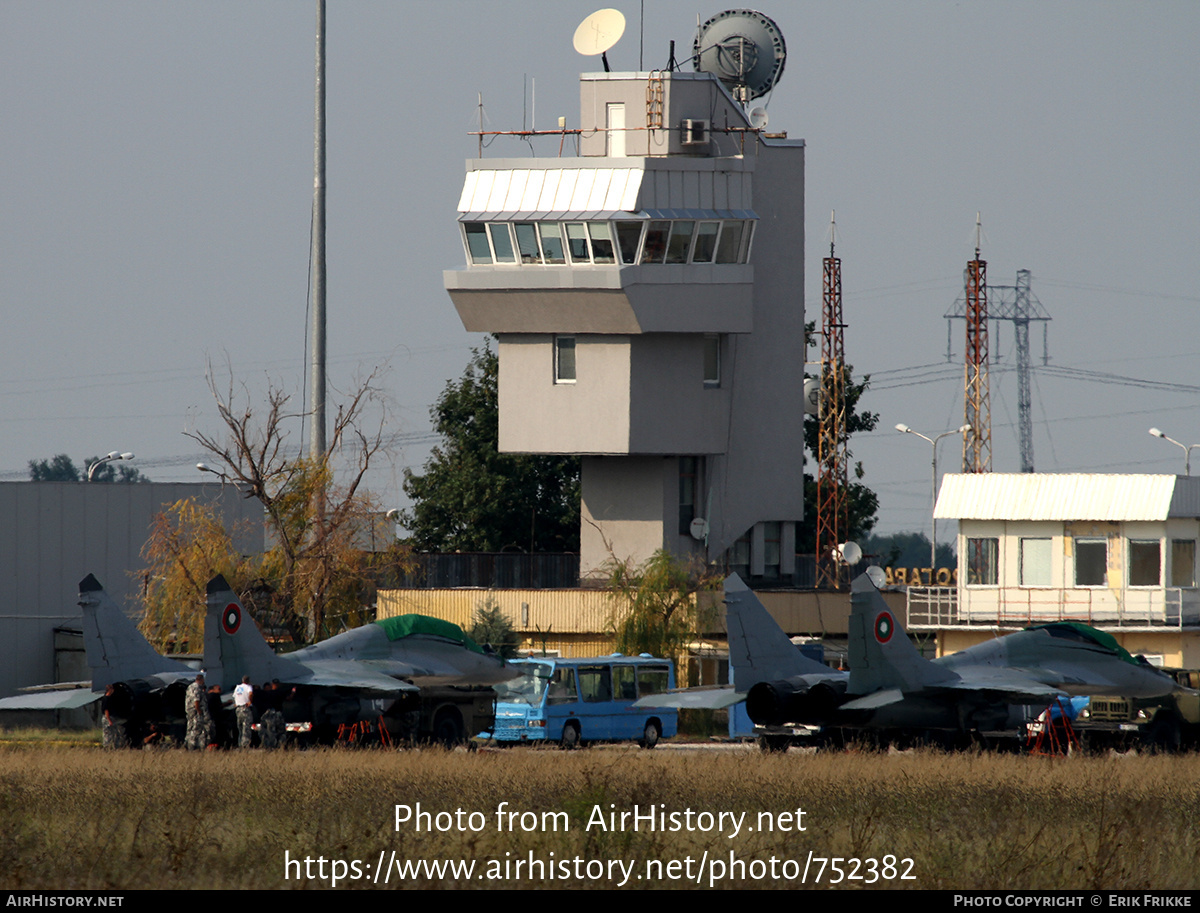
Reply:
x=271, y=728
x=195, y=705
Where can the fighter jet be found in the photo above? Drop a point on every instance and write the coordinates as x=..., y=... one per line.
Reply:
x=147, y=685
x=775, y=679
x=971, y=689
x=385, y=669
x=891, y=686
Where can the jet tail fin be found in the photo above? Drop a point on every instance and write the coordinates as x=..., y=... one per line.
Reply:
x=881, y=655
x=759, y=651
x=233, y=645
x=116, y=649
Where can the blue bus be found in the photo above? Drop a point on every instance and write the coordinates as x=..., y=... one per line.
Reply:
x=572, y=701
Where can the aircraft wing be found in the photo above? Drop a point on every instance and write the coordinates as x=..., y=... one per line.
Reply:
x=348, y=674
x=710, y=698
x=51, y=700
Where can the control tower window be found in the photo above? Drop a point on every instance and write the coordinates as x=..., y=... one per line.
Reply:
x=680, y=244
x=502, y=245
x=577, y=243
x=730, y=245
x=477, y=242
x=656, y=242
x=602, y=246
x=629, y=238
x=527, y=242
x=706, y=242
x=552, y=243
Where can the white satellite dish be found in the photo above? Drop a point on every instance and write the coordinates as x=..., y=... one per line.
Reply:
x=812, y=396
x=599, y=32
x=699, y=529
x=850, y=552
x=877, y=576
x=758, y=117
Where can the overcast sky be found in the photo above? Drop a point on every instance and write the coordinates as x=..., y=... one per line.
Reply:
x=157, y=170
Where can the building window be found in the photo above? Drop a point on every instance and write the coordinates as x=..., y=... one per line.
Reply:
x=1035, y=562
x=527, y=243
x=772, y=548
x=629, y=239
x=706, y=242
x=983, y=562
x=688, y=479
x=1183, y=562
x=502, y=245
x=477, y=242
x=1145, y=562
x=1091, y=562
x=564, y=359
x=552, y=243
x=680, y=244
x=712, y=360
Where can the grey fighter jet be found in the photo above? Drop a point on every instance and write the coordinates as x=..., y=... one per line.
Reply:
x=382, y=670
x=770, y=673
x=146, y=685
x=891, y=684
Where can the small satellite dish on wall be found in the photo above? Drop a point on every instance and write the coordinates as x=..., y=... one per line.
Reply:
x=699, y=529
x=742, y=48
x=758, y=117
x=812, y=396
x=877, y=576
x=599, y=32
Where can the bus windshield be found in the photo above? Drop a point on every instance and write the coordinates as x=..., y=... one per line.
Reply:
x=528, y=688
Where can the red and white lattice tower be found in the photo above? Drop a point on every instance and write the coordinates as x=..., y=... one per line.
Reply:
x=832, y=517
x=977, y=410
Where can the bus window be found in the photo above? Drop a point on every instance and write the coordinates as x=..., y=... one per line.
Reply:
x=625, y=683
x=653, y=680
x=595, y=683
x=562, y=687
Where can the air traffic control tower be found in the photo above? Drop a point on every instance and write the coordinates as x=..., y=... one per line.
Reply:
x=648, y=299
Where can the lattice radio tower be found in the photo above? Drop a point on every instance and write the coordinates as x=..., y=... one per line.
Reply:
x=977, y=409
x=832, y=517
x=1018, y=304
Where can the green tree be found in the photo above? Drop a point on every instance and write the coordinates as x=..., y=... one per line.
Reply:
x=861, y=502
x=61, y=468
x=907, y=550
x=471, y=497
x=655, y=606
x=492, y=627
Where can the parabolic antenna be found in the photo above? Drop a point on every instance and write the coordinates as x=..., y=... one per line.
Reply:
x=850, y=552
x=742, y=48
x=599, y=32
x=758, y=117
x=877, y=576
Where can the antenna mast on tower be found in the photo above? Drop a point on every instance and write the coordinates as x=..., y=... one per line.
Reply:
x=977, y=411
x=832, y=518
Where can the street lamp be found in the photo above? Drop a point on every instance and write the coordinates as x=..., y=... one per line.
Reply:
x=115, y=455
x=1187, y=463
x=904, y=429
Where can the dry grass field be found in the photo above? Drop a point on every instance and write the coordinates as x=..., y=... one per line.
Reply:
x=74, y=817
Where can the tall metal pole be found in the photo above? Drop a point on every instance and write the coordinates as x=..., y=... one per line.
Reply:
x=316, y=436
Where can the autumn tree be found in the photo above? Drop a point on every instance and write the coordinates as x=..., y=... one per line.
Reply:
x=316, y=575
x=188, y=545
x=472, y=497
x=655, y=608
